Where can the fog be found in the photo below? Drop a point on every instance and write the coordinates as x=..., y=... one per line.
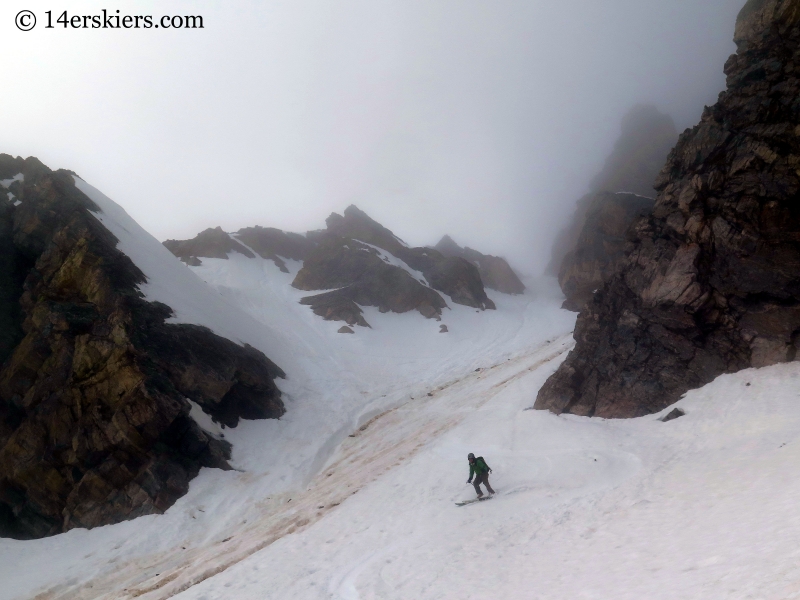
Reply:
x=484, y=120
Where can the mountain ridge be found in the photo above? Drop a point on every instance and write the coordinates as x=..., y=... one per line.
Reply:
x=95, y=424
x=711, y=279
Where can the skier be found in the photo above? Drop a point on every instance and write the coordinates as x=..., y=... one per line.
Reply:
x=479, y=468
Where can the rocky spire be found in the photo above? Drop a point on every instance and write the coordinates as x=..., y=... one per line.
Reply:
x=711, y=280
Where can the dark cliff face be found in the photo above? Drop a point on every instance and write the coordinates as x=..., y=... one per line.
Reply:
x=495, y=272
x=346, y=259
x=646, y=138
x=94, y=416
x=711, y=280
x=600, y=247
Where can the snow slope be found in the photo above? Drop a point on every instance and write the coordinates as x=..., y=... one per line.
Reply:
x=334, y=384
x=700, y=507
x=352, y=495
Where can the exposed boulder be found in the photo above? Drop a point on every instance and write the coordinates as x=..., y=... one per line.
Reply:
x=645, y=140
x=711, y=279
x=672, y=415
x=94, y=415
x=443, y=329
x=495, y=272
x=344, y=329
x=211, y=243
x=599, y=249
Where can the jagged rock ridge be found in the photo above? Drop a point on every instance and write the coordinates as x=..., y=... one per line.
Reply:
x=365, y=264
x=495, y=272
x=356, y=262
x=94, y=416
x=270, y=243
x=211, y=243
x=711, y=281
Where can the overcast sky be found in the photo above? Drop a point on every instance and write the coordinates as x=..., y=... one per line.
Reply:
x=482, y=119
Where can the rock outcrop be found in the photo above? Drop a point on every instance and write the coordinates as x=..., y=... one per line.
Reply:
x=600, y=247
x=95, y=423
x=270, y=243
x=363, y=263
x=276, y=245
x=360, y=274
x=711, y=279
x=646, y=138
x=355, y=261
x=211, y=243
x=495, y=272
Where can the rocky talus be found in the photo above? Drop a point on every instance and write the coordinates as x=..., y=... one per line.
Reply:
x=711, y=279
x=495, y=272
x=95, y=422
x=600, y=246
x=645, y=140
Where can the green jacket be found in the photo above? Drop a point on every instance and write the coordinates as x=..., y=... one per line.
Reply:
x=479, y=467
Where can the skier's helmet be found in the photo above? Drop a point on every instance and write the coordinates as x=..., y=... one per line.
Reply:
x=470, y=456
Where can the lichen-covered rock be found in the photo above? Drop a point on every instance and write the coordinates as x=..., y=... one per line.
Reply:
x=600, y=247
x=711, y=280
x=495, y=272
x=94, y=415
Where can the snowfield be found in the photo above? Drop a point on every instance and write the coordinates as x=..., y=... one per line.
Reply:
x=351, y=495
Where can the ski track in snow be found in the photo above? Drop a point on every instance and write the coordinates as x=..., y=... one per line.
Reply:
x=335, y=384
x=700, y=507
x=383, y=443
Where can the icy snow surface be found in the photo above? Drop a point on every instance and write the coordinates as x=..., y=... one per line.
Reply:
x=352, y=494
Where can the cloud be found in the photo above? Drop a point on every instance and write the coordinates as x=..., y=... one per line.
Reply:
x=485, y=120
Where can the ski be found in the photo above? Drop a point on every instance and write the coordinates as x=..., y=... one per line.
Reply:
x=465, y=502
